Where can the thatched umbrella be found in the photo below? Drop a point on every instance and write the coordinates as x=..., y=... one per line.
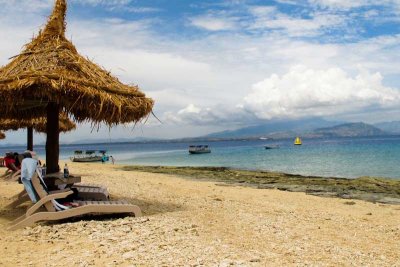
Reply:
x=38, y=124
x=2, y=135
x=49, y=76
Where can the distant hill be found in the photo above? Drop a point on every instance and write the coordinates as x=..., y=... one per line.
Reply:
x=277, y=129
x=390, y=127
x=111, y=140
x=349, y=130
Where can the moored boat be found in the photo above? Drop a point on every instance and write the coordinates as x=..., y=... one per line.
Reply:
x=200, y=149
x=90, y=156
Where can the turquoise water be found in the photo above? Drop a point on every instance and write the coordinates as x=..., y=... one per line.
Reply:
x=346, y=157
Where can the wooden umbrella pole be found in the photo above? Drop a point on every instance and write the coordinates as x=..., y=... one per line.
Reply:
x=52, y=142
x=30, y=139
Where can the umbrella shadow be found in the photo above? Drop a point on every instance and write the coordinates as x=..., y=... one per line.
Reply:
x=10, y=214
x=150, y=208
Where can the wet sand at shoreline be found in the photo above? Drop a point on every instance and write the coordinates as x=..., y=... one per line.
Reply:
x=188, y=223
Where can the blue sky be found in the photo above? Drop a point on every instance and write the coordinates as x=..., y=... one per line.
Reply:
x=215, y=65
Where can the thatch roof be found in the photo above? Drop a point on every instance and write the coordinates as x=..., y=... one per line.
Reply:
x=2, y=135
x=38, y=124
x=49, y=69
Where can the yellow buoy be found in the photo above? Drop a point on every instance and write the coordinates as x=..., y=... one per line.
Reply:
x=297, y=141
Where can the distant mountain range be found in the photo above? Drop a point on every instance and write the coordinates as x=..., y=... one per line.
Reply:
x=350, y=130
x=109, y=140
x=276, y=128
x=390, y=127
x=310, y=128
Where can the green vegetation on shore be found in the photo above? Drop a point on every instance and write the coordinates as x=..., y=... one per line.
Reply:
x=379, y=190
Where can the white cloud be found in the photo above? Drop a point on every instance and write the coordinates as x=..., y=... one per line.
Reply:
x=118, y=5
x=212, y=23
x=22, y=5
x=191, y=109
x=342, y=4
x=268, y=17
x=110, y=5
x=306, y=92
x=346, y=5
x=218, y=115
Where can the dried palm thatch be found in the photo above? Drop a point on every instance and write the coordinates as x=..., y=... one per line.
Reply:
x=38, y=124
x=49, y=69
x=50, y=76
x=2, y=135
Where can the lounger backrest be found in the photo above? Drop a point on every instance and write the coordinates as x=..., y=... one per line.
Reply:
x=41, y=190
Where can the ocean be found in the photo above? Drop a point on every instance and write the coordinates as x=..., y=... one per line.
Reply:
x=339, y=157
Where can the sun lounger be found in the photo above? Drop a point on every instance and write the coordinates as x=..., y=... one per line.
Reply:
x=84, y=192
x=54, y=210
x=91, y=192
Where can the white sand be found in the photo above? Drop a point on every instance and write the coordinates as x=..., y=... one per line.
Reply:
x=188, y=223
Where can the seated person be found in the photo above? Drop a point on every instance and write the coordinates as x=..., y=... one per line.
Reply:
x=10, y=162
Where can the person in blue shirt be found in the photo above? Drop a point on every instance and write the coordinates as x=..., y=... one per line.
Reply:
x=28, y=169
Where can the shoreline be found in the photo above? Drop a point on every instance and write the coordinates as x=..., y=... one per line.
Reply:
x=371, y=189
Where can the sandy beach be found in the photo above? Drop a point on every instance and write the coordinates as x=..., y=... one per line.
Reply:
x=193, y=223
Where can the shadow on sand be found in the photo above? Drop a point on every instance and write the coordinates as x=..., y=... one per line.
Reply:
x=149, y=208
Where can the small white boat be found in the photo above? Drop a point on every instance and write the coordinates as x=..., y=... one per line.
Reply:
x=201, y=149
x=90, y=156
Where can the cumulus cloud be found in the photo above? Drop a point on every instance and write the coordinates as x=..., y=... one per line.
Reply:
x=216, y=115
x=191, y=114
x=307, y=92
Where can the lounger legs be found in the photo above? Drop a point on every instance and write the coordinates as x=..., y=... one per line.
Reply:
x=25, y=221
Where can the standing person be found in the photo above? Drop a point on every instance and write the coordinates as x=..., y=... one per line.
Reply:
x=112, y=159
x=28, y=169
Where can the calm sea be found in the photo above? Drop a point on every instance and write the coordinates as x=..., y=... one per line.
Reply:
x=344, y=157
